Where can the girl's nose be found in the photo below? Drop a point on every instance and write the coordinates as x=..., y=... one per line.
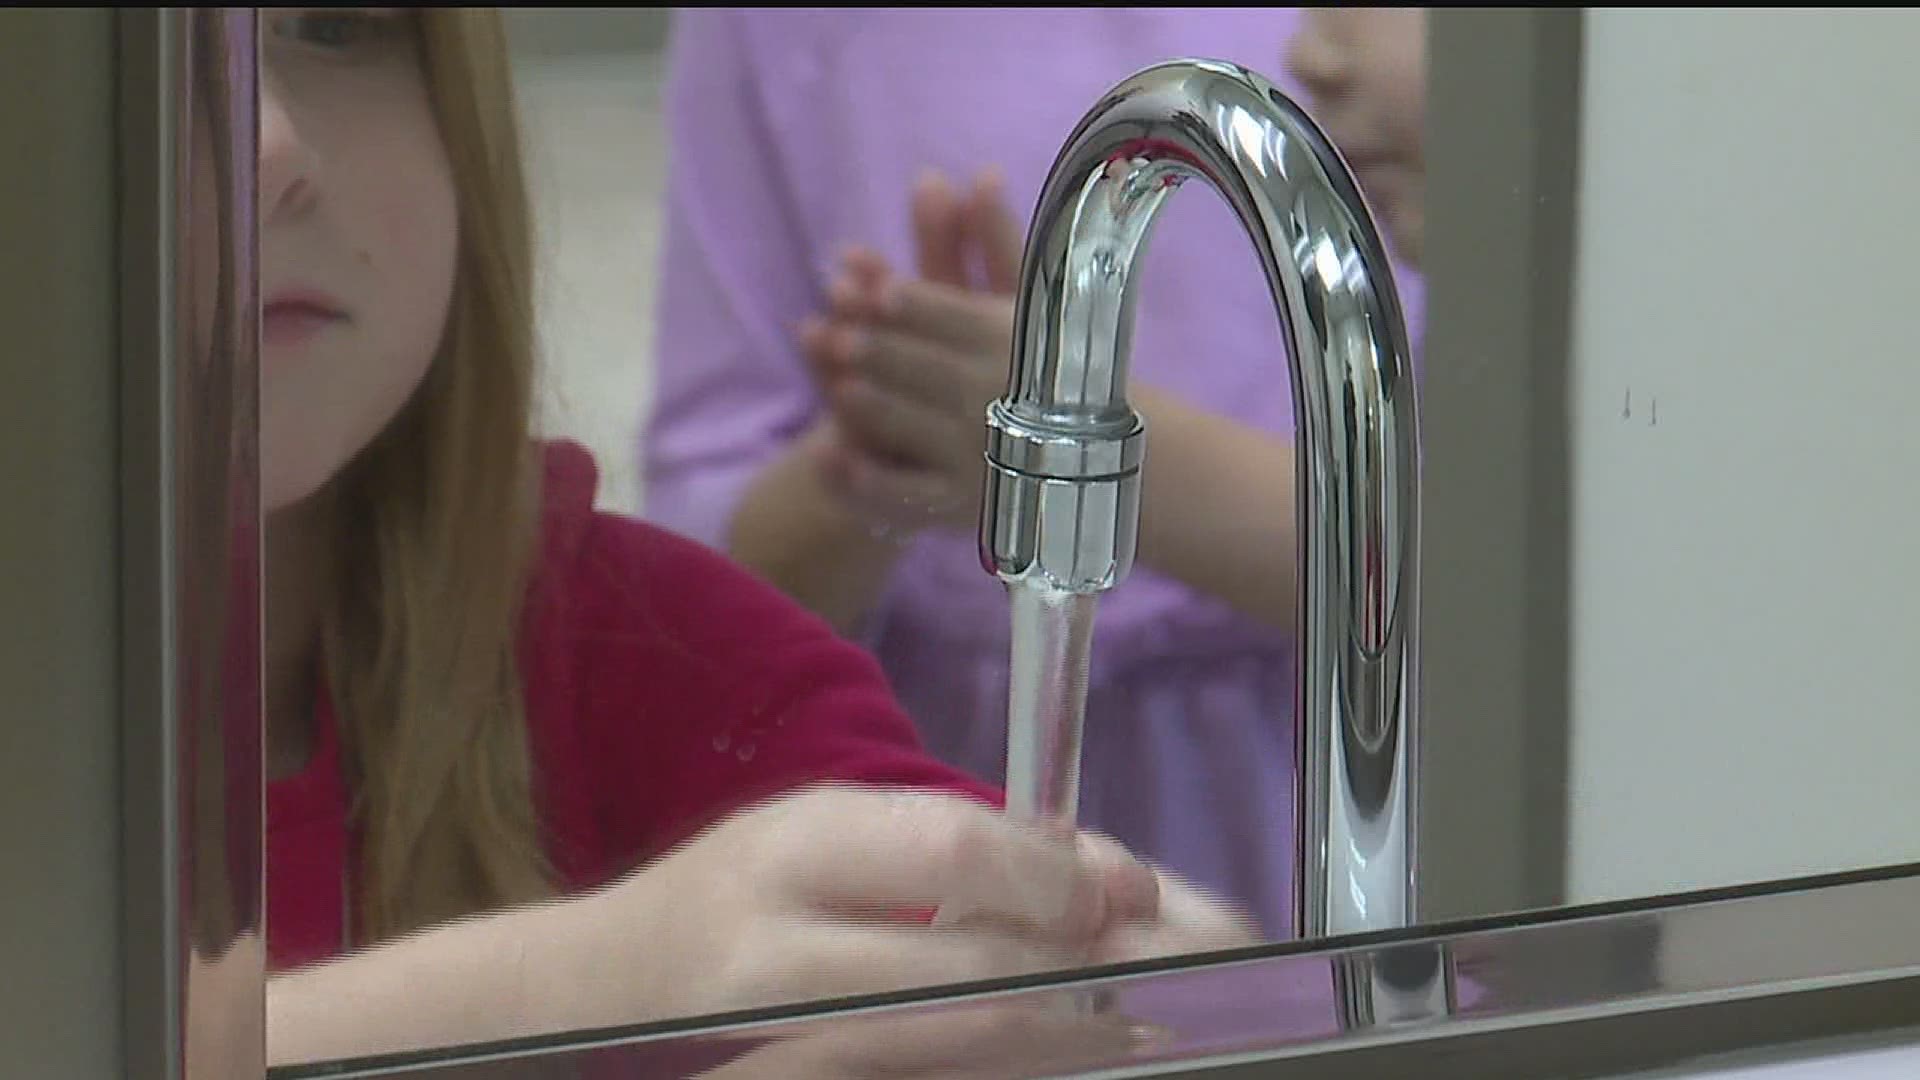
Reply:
x=287, y=162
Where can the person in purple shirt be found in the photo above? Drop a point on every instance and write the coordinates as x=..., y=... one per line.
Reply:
x=846, y=192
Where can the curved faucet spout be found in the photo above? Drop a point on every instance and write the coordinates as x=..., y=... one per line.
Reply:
x=1064, y=448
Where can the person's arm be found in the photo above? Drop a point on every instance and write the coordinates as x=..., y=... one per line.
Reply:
x=714, y=705
x=722, y=457
x=1217, y=507
x=801, y=537
x=501, y=976
x=1238, y=483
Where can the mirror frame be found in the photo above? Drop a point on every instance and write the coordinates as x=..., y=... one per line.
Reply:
x=1495, y=364
x=192, y=796
x=1804, y=958
x=1586, y=991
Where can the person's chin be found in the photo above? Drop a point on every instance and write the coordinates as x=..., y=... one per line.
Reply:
x=285, y=484
x=281, y=494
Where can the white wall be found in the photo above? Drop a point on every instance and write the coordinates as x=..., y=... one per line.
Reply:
x=589, y=84
x=1746, y=419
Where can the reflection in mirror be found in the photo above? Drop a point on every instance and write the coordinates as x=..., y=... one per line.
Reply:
x=698, y=701
x=535, y=766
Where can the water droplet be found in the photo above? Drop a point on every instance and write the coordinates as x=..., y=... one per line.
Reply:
x=745, y=753
x=721, y=742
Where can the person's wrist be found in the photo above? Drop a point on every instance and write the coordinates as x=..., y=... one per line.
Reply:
x=575, y=968
x=833, y=466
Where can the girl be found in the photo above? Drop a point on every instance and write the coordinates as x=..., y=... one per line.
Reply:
x=820, y=413
x=534, y=768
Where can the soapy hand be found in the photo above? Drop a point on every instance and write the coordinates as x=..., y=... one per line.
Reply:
x=908, y=365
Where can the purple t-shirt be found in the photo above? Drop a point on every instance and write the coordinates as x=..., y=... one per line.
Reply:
x=796, y=132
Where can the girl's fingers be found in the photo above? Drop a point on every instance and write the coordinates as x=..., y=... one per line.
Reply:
x=938, y=230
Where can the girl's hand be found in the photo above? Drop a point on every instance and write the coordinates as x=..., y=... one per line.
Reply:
x=814, y=896
x=907, y=365
x=829, y=892
x=1187, y=920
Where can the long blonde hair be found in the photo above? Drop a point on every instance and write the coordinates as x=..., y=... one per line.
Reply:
x=437, y=520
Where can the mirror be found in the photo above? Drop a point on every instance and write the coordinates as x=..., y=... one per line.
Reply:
x=751, y=275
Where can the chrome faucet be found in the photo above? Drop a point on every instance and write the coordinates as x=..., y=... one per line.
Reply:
x=1064, y=448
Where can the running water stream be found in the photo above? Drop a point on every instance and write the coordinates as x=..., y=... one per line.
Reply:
x=1047, y=701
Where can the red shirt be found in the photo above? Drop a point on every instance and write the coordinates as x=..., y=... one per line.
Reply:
x=665, y=687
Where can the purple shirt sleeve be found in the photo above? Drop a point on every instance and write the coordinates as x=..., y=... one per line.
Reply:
x=730, y=388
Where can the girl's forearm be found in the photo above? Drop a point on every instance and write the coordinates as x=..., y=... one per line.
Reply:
x=797, y=535
x=497, y=977
x=1217, y=507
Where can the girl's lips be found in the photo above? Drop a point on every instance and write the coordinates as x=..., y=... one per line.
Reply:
x=295, y=321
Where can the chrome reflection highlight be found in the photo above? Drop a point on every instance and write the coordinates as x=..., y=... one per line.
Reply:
x=191, y=537
x=1064, y=448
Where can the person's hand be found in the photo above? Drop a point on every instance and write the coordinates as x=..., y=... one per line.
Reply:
x=1048, y=1034
x=907, y=366
x=1186, y=920
x=813, y=896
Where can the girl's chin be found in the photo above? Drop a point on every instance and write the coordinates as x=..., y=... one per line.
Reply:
x=287, y=486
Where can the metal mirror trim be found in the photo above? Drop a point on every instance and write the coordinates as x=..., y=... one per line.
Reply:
x=1794, y=961
x=192, y=783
